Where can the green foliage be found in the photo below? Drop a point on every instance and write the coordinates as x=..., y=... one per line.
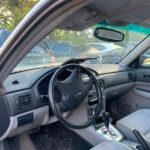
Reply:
x=63, y=35
x=12, y=12
x=73, y=37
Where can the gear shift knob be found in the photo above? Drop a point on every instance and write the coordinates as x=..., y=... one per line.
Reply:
x=106, y=119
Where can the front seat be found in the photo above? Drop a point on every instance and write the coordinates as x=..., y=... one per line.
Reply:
x=110, y=145
x=139, y=120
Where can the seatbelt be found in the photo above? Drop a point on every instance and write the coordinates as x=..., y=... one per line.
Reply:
x=141, y=140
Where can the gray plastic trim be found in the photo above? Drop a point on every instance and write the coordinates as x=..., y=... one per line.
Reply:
x=41, y=117
x=135, y=53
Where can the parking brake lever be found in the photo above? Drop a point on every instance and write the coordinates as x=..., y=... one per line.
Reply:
x=141, y=140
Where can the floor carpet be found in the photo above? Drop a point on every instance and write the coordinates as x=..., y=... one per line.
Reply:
x=57, y=137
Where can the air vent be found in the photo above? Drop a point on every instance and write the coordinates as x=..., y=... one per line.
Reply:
x=24, y=101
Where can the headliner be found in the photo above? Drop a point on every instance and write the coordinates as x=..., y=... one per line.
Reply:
x=118, y=12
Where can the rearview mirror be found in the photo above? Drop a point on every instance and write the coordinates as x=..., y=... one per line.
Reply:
x=108, y=35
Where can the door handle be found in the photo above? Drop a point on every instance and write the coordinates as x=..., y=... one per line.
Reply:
x=115, y=92
x=147, y=76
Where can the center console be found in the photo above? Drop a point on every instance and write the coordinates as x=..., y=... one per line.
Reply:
x=102, y=125
x=110, y=134
x=102, y=129
x=92, y=100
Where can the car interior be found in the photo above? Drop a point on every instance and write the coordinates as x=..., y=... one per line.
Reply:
x=72, y=100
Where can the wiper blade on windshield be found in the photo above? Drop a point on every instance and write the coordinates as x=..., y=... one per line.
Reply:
x=78, y=60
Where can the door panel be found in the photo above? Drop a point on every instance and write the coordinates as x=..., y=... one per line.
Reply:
x=143, y=75
x=138, y=97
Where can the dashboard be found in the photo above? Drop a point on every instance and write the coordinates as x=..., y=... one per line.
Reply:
x=25, y=96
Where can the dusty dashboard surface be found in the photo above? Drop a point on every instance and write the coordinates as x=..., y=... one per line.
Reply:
x=26, y=102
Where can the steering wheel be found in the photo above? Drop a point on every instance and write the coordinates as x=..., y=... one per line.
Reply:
x=67, y=94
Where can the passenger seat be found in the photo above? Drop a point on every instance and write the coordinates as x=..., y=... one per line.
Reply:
x=139, y=120
x=110, y=145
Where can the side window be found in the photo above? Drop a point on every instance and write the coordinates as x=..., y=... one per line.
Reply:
x=145, y=59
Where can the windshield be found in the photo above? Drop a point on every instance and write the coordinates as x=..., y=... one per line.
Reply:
x=61, y=45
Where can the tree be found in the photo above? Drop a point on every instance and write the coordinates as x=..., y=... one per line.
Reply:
x=12, y=12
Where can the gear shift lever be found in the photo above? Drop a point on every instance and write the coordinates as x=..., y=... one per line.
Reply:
x=107, y=129
x=106, y=119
